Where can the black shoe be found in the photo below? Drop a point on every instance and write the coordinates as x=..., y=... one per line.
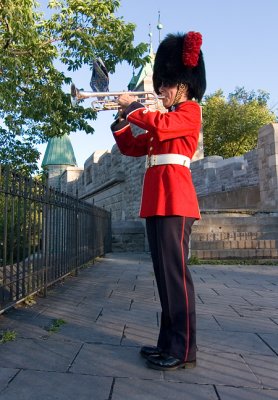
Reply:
x=168, y=363
x=147, y=351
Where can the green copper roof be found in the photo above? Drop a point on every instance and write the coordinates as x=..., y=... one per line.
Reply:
x=132, y=83
x=146, y=70
x=59, y=151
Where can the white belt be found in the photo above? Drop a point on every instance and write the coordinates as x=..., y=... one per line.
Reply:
x=160, y=159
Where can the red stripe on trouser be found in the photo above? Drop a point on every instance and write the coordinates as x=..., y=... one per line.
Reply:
x=185, y=293
x=169, y=239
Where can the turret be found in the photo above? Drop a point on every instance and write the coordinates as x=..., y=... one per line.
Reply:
x=58, y=156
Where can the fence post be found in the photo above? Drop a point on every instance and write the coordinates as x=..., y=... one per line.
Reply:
x=76, y=217
x=45, y=240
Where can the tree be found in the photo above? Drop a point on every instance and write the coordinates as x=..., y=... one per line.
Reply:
x=33, y=105
x=231, y=126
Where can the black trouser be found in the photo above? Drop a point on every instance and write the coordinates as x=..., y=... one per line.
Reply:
x=169, y=245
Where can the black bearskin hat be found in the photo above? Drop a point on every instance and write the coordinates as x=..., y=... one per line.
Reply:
x=179, y=59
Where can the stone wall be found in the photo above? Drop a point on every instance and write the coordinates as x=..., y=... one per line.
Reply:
x=114, y=181
x=214, y=174
x=268, y=166
x=231, y=183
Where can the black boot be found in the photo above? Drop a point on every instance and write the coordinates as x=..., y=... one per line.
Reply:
x=147, y=351
x=168, y=363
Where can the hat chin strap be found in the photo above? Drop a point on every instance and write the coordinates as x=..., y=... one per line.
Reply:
x=180, y=92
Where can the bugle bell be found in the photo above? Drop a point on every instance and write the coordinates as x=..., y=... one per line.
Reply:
x=107, y=100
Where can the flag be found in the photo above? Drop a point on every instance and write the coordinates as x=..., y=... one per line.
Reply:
x=99, y=79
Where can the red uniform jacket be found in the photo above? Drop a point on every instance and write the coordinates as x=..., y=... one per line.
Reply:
x=167, y=189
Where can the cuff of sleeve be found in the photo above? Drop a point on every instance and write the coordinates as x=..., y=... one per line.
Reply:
x=133, y=106
x=118, y=125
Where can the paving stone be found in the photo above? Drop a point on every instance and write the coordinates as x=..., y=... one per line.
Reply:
x=117, y=361
x=231, y=300
x=261, y=301
x=147, y=318
x=112, y=308
x=265, y=368
x=52, y=385
x=256, y=311
x=215, y=309
x=109, y=333
x=230, y=393
x=270, y=293
x=139, y=335
x=207, y=323
x=79, y=315
x=217, y=368
x=152, y=390
x=271, y=340
x=29, y=327
x=241, y=324
x=47, y=355
x=139, y=305
x=6, y=374
x=233, y=342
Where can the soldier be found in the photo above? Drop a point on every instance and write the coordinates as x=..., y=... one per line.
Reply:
x=169, y=201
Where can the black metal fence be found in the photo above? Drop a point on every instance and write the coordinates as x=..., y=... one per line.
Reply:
x=44, y=235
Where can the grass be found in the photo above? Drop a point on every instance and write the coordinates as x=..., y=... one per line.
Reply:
x=7, y=336
x=196, y=261
x=56, y=325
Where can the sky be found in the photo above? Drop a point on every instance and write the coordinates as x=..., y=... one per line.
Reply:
x=240, y=40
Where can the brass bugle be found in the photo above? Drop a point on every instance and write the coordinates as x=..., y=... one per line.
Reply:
x=103, y=100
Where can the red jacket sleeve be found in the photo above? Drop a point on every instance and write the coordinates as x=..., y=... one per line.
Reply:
x=184, y=121
x=128, y=144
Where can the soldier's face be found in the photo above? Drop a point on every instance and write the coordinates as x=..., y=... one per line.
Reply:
x=169, y=95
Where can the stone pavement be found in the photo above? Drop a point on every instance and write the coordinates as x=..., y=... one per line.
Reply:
x=111, y=309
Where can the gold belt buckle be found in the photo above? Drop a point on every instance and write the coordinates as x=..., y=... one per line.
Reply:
x=152, y=160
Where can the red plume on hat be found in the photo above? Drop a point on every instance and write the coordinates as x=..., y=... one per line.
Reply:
x=179, y=59
x=191, y=49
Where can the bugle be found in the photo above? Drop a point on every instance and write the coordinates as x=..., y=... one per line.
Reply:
x=107, y=100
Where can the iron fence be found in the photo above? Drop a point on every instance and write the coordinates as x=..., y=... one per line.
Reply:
x=44, y=235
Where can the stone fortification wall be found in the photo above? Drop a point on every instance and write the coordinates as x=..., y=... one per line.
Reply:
x=114, y=181
x=231, y=183
x=214, y=174
x=55, y=174
x=248, y=182
x=268, y=166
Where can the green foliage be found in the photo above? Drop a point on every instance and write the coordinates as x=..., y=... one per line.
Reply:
x=231, y=126
x=238, y=261
x=55, y=326
x=20, y=217
x=33, y=104
x=7, y=336
x=194, y=260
